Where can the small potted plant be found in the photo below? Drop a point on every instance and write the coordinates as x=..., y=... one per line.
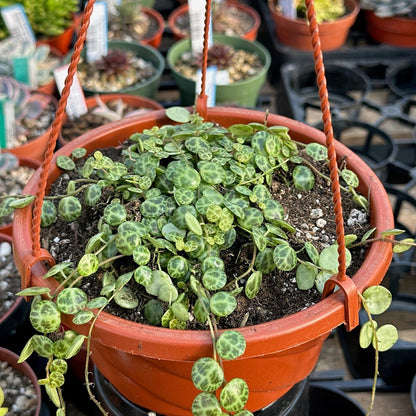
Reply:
x=34, y=113
x=245, y=63
x=391, y=22
x=128, y=68
x=228, y=18
x=131, y=21
x=334, y=19
x=53, y=22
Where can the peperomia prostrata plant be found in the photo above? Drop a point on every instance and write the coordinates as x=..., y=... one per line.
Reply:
x=197, y=188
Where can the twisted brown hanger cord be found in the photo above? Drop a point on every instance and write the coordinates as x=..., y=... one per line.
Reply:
x=327, y=120
x=201, y=99
x=56, y=127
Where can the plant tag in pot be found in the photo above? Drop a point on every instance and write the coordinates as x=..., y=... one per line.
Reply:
x=211, y=78
x=197, y=19
x=25, y=69
x=76, y=105
x=17, y=23
x=7, y=121
x=97, y=38
x=288, y=8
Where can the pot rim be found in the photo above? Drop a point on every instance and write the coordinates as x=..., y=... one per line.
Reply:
x=284, y=333
x=183, y=8
x=355, y=8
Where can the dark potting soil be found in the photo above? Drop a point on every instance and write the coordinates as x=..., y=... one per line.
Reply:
x=310, y=213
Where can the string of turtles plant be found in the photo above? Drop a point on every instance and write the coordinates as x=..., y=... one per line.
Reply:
x=200, y=186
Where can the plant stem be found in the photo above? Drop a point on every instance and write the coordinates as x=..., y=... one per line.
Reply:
x=250, y=268
x=376, y=354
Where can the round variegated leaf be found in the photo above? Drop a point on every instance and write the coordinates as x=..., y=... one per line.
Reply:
x=377, y=299
x=285, y=257
x=230, y=345
x=126, y=298
x=207, y=375
x=214, y=279
x=206, y=404
x=317, y=151
x=71, y=300
x=234, y=395
x=264, y=261
x=303, y=178
x=305, y=276
x=222, y=303
x=177, y=267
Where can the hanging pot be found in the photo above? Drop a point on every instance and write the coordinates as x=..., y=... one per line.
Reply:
x=241, y=93
x=295, y=33
x=151, y=366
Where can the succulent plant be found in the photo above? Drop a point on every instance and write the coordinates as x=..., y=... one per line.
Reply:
x=182, y=196
x=326, y=10
x=389, y=8
x=46, y=62
x=114, y=71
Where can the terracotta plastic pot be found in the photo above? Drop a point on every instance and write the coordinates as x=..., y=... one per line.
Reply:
x=184, y=9
x=17, y=314
x=296, y=34
x=241, y=93
x=25, y=369
x=151, y=366
x=34, y=148
x=156, y=39
x=397, y=31
x=134, y=100
x=63, y=42
x=30, y=163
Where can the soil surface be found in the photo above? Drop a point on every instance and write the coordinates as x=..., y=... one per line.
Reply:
x=19, y=393
x=279, y=295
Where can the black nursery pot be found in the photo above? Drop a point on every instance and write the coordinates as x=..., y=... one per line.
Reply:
x=304, y=399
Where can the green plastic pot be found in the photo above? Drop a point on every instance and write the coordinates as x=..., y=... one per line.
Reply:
x=243, y=93
x=147, y=88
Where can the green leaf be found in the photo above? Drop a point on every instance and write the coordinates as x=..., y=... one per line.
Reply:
x=350, y=178
x=285, y=257
x=368, y=234
x=214, y=279
x=259, y=238
x=305, y=276
x=312, y=252
x=75, y=346
x=328, y=258
x=404, y=245
x=393, y=231
x=82, y=317
x=303, y=178
x=34, y=291
x=126, y=298
x=253, y=284
x=178, y=114
x=71, y=300
x=65, y=162
x=377, y=299
x=193, y=224
x=26, y=351
x=88, y=264
x=367, y=334
x=207, y=375
x=222, y=303
x=97, y=303
x=153, y=312
x=22, y=202
x=206, y=404
x=317, y=151
x=230, y=345
x=386, y=337
x=234, y=395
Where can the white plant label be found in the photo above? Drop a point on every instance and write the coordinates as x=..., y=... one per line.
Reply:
x=76, y=105
x=17, y=23
x=197, y=20
x=97, y=36
x=288, y=8
x=210, y=84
